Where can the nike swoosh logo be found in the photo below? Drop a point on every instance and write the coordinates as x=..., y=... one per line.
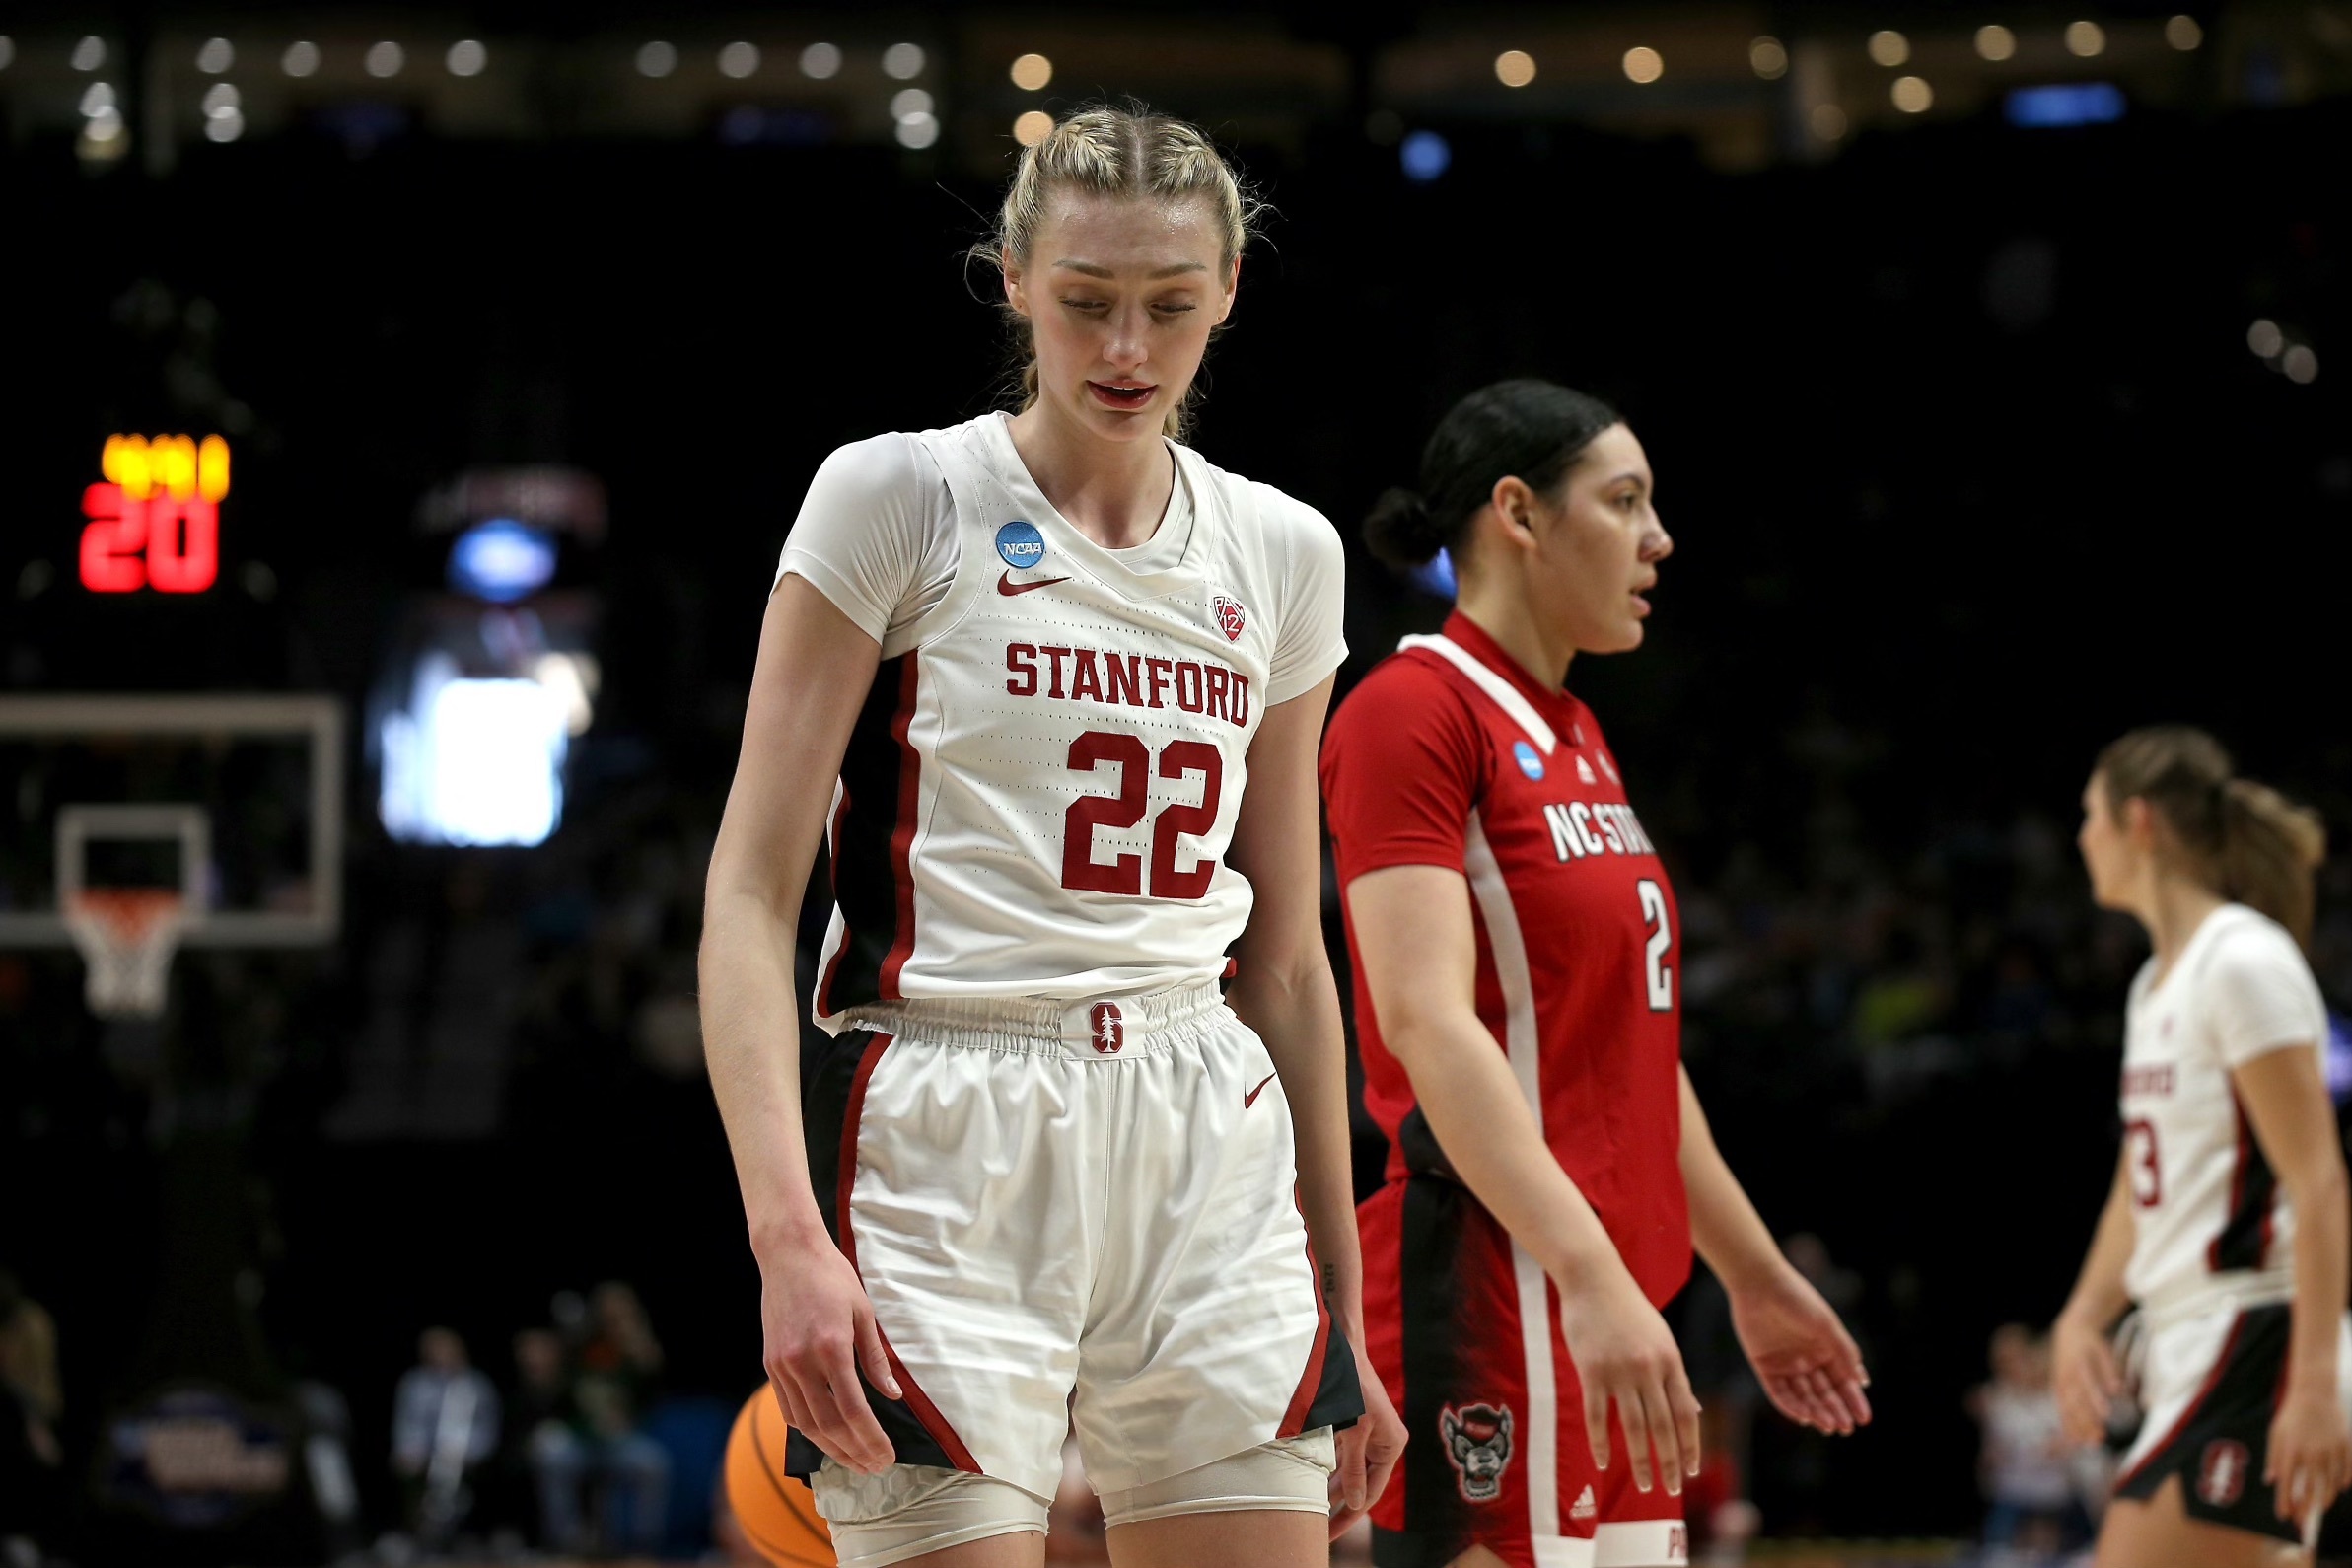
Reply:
x=1007, y=587
x=1250, y=1098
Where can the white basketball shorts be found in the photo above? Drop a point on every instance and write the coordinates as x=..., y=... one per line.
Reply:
x=1074, y=1214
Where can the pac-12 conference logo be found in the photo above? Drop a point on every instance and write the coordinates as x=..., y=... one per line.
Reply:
x=1021, y=545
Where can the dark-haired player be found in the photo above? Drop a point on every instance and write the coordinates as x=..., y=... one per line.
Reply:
x=1518, y=986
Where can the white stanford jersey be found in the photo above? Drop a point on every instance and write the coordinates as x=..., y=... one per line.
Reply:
x=2209, y=1212
x=1039, y=794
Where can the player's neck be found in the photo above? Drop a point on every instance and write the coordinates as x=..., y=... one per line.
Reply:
x=1519, y=632
x=1114, y=492
x=2173, y=908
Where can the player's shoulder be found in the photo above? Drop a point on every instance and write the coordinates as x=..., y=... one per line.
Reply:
x=2244, y=940
x=1411, y=688
x=893, y=464
x=1281, y=518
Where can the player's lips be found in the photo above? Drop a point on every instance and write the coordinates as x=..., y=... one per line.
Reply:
x=1121, y=394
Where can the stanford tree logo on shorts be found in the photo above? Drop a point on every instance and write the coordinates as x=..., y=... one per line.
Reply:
x=1479, y=1445
x=1107, y=1028
x=1229, y=619
x=2221, y=1472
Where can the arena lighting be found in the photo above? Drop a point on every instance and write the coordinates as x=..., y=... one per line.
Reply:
x=221, y=98
x=1424, y=156
x=1912, y=95
x=657, y=60
x=738, y=59
x=1829, y=122
x=1514, y=68
x=89, y=54
x=1032, y=127
x=902, y=63
x=216, y=57
x=224, y=128
x=2183, y=33
x=2265, y=338
x=917, y=131
x=155, y=520
x=820, y=61
x=1644, y=64
x=97, y=99
x=501, y=561
x=1888, y=48
x=910, y=101
x=301, y=59
x=1995, y=42
x=468, y=58
x=2301, y=364
x=1031, y=73
x=474, y=762
x=1768, y=57
x=2064, y=103
x=384, y=60
x=2085, y=39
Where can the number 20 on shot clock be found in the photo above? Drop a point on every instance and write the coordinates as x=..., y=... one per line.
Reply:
x=155, y=521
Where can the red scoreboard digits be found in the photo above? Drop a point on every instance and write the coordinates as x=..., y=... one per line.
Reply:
x=155, y=521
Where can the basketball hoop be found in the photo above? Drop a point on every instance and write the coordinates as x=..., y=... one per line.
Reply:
x=126, y=937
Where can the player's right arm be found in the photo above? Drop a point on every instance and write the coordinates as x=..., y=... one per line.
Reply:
x=2083, y=1364
x=814, y=669
x=1419, y=952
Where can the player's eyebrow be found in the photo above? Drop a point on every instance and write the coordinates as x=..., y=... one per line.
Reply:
x=1094, y=269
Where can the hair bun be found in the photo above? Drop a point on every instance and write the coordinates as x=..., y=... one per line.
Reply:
x=1401, y=531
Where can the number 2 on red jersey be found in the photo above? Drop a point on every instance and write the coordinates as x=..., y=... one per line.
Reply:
x=1662, y=937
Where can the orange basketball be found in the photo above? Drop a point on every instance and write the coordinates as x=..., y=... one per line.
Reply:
x=775, y=1512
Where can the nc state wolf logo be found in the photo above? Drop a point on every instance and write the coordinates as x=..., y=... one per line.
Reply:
x=1478, y=1443
x=1229, y=619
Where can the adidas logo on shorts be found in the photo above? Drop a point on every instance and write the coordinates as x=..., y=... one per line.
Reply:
x=1585, y=1507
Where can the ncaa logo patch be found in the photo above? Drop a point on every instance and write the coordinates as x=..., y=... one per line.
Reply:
x=2221, y=1472
x=1229, y=619
x=1107, y=1028
x=1529, y=762
x=1021, y=545
x=1478, y=1447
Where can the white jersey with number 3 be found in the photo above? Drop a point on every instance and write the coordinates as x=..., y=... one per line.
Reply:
x=1039, y=795
x=2210, y=1214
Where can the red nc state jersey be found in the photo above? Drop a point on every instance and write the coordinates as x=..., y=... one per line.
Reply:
x=1450, y=753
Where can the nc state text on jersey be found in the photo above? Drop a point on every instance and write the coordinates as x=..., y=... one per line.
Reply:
x=1134, y=680
x=1603, y=828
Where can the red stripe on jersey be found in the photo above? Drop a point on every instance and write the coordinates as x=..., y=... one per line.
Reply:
x=1294, y=1419
x=2213, y=1378
x=917, y=1400
x=910, y=772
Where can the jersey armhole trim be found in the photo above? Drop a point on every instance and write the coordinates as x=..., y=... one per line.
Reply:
x=1503, y=694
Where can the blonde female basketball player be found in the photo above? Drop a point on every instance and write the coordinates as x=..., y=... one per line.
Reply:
x=1518, y=1001
x=2227, y=1223
x=1051, y=685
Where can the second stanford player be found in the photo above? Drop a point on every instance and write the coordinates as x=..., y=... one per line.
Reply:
x=1517, y=991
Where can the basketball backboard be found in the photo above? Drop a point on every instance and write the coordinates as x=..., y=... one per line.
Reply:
x=231, y=804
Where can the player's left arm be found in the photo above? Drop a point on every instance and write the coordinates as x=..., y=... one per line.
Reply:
x=2310, y=1445
x=1284, y=990
x=1803, y=1355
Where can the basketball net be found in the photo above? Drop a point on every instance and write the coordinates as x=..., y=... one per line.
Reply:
x=126, y=937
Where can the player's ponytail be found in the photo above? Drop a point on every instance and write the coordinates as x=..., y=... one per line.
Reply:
x=2244, y=840
x=1534, y=429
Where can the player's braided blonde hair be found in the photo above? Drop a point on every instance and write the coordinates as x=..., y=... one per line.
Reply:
x=1118, y=151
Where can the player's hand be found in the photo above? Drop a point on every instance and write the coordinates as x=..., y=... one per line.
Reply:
x=1625, y=1355
x=2310, y=1449
x=1368, y=1450
x=1802, y=1354
x=2085, y=1376
x=818, y=1328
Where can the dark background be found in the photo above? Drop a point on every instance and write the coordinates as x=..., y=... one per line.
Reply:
x=1967, y=459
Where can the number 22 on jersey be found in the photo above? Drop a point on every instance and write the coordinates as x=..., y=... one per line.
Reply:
x=1124, y=874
